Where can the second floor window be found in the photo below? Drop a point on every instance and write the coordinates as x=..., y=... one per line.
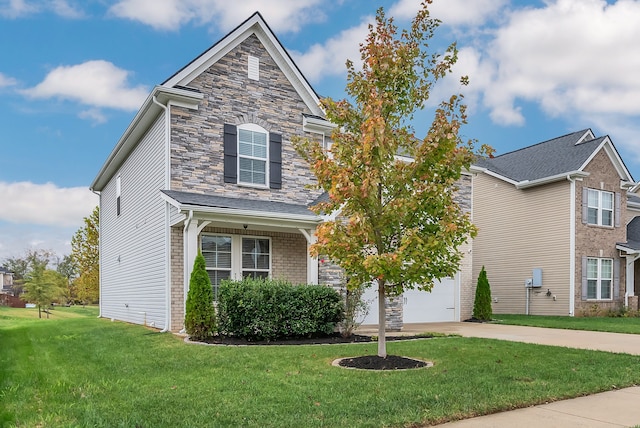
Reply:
x=600, y=207
x=252, y=155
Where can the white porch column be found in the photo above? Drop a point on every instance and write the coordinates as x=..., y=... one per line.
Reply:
x=312, y=262
x=192, y=229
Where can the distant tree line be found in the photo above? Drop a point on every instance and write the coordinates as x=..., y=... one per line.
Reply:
x=42, y=277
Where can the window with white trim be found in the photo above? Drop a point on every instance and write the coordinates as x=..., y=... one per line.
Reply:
x=216, y=250
x=235, y=257
x=600, y=207
x=253, y=155
x=256, y=260
x=599, y=278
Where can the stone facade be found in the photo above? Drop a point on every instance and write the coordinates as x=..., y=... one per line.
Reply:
x=599, y=241
x=197, y=158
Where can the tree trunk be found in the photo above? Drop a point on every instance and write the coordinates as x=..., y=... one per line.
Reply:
x=382, y=320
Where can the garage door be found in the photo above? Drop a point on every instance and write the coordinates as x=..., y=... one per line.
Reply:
x=439, y=305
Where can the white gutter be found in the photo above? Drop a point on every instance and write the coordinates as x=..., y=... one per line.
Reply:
x=99, y=253
x=572, y=246
x=558, y=177
x=167, y=234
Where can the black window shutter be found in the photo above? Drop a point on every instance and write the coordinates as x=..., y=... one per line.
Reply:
x=616, y=279
x=585, y=206
x=584, y=278
x=275, y=161
x=230, y=153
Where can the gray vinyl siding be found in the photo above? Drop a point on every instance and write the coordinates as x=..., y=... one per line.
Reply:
x=519, y=230
x=133, y=243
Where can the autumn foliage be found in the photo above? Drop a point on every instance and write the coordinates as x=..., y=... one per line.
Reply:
x=400, y=226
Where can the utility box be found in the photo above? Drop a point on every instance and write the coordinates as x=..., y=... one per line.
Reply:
x=537, y=278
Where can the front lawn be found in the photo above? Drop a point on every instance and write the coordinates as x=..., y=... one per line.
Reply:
x=89, y=372
x=608, y=324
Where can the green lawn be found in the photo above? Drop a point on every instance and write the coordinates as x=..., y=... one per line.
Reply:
x=610, y=324
x=74, y=370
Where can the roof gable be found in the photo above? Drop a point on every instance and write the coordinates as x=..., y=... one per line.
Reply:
x=254, y=25
x=553, y=159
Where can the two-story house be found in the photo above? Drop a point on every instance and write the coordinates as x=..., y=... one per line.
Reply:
x=6, y=280
x=553, y=220
x=207, y=164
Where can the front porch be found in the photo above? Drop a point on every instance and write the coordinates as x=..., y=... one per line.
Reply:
x=238, y=238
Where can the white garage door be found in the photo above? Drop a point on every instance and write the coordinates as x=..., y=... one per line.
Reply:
x=439, y=305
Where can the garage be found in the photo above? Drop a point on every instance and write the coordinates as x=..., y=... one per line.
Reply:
x=439, y=305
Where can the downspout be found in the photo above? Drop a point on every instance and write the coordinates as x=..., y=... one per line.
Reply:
x=99, y=253
x=167, y=234
x=572, y=247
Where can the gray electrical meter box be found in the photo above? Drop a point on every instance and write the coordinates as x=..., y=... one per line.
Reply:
x=537, y=278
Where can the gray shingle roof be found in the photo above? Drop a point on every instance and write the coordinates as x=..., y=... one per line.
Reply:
x=549, y=158
x=633, y=198
x=633, y=235
x=215, y=201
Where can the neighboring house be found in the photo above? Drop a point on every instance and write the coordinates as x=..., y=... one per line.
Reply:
x=6, y=281
x=554, y=216
x=207, y=164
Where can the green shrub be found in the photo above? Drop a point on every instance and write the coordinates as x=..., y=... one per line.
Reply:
x=200, y=316
x=259, y=309
x=482, y=304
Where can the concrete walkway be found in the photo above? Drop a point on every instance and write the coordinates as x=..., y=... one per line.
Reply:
x=619, y=408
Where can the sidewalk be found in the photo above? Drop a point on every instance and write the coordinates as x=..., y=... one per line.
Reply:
x=620, y=408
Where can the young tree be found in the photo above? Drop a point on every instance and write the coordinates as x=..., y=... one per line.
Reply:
x=22, y=267
x=85, y=252
x=67, y=268
x=403, y=227
x=200, y=317
x=482, y=304
x=43, y=287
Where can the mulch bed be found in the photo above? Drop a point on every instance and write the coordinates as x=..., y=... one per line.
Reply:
x=367, y=362
x=332, y=339
x=374, y=362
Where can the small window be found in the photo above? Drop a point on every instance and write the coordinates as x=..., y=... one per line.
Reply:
x=118, y=190
x=252, y=155
x=599, y=278
x=600, y=208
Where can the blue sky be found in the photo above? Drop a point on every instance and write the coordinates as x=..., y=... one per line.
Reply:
x=74, y=72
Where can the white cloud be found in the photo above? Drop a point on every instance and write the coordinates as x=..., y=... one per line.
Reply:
x=7, y=81
x=327, y=59
x=45, y=204
x=282, y=15
x=572, y=57
x=450, y=12
x=93, y=114
x=20, y=8
x=96, y=83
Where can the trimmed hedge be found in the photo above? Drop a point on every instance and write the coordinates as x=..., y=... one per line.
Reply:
x=259, y=309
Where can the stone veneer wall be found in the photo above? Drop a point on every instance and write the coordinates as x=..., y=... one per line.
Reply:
x=597, y=241
x=467, y=282
x=197, y=158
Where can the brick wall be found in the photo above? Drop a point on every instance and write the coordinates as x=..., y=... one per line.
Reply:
x=597, y=241
x=177, y=279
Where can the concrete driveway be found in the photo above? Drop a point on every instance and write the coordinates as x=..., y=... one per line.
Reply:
x=595, y=340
